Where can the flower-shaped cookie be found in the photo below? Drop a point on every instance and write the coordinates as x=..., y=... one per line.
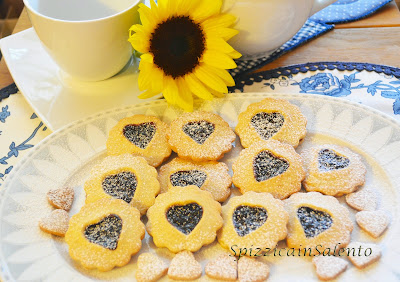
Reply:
x=317, y=222
x=210, y=176
x=140, y=135
x=184, y=218
x=271, y=119
x=124, y=177
x=333, y=170
x=105, y=234
x=200, y=136
x=268, y=166
x=253, y=219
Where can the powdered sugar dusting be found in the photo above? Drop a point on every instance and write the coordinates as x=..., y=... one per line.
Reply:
x=329, y=267
x=184, y=267
x=373, y=222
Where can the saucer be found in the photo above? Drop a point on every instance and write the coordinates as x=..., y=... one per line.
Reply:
x=57, y=98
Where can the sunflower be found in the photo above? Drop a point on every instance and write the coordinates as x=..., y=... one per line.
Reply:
x=184, y=50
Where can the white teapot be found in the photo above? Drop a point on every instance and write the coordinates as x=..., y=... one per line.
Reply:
x=265, y=25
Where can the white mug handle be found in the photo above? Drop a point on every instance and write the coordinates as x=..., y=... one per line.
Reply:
x=320, y=4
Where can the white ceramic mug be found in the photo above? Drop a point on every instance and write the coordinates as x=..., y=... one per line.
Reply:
x=87, y=39
x=266, y=25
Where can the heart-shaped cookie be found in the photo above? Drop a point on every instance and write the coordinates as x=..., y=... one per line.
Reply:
x=199, y=131
x=363, y=254
x=223, y=267
x=184, y=267
x=140, y=134
x=267, y=124
x=314, y=222
x=150, y=268
x=185, y=218
x=121, y=185
x=329, y=160
x=55, y=223
x=266, y=166
x=363, y=200
x=106, y=232
x=251, y=270
x=248, y=219
x=329, y=267
x=61, y=198
x=373, y=222
x=188, y=177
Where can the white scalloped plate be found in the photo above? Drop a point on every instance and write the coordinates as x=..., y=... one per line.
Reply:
x=65, y=158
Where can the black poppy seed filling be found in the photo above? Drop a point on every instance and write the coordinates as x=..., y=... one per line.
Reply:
x=140, y=134
x=188, y=177
x=185, y=217
x=267, y=124
x=314, y=222
x=328, y=160
x=199, y=131
x=121, y=185
x=177, y=45
x=248, y=219
x=106, y=232
x=266, y=166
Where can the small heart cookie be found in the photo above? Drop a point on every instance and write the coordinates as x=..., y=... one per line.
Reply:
x=251, y=270
x=150, y=268
x=329, y=267
x=363, y=254
x=373, y=222
x=61, y=198
x=184, y=267
x=224, y=267
x=55, y=223
x=363, y=200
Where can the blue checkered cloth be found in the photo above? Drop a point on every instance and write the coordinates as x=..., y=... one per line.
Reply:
x=310, y=30
x=344, y=11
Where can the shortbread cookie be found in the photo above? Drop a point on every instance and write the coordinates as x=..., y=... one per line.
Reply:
x=55, y=223
x=61, y=198
x=251, y=270
x=329, y=267
x=271, y=119
x=269, y=166
x=105, y=234
x=150, y=268
x=210, y=176
x=373, y=222
x=184, y=218
x=184, y=267
x=140, y=135
x=317, y=220
x=223, y=267
x=200, y=136
x=363, y=200
x=253, y=219
x=368, y=254
x=124, y=177
x=333, y=170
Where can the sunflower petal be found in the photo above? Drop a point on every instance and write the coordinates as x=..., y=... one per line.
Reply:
x=139, y=43
x=224, y=33
x=216, y=93
x=220, y=21
x=218, y=44
x=157, y=81
x=235, y=55
x=170, y=90
x=216, y=83
x=218, y=60
x=197, y=87
x=206, y=9
x=148, y=58
x=148, y=94
x=145, y=75
x=184, y=98
x=223, y=74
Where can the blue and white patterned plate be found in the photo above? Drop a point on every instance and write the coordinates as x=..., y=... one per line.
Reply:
x=66, y=157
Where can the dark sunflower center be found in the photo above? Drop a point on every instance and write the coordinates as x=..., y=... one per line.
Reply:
x=177, y=45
